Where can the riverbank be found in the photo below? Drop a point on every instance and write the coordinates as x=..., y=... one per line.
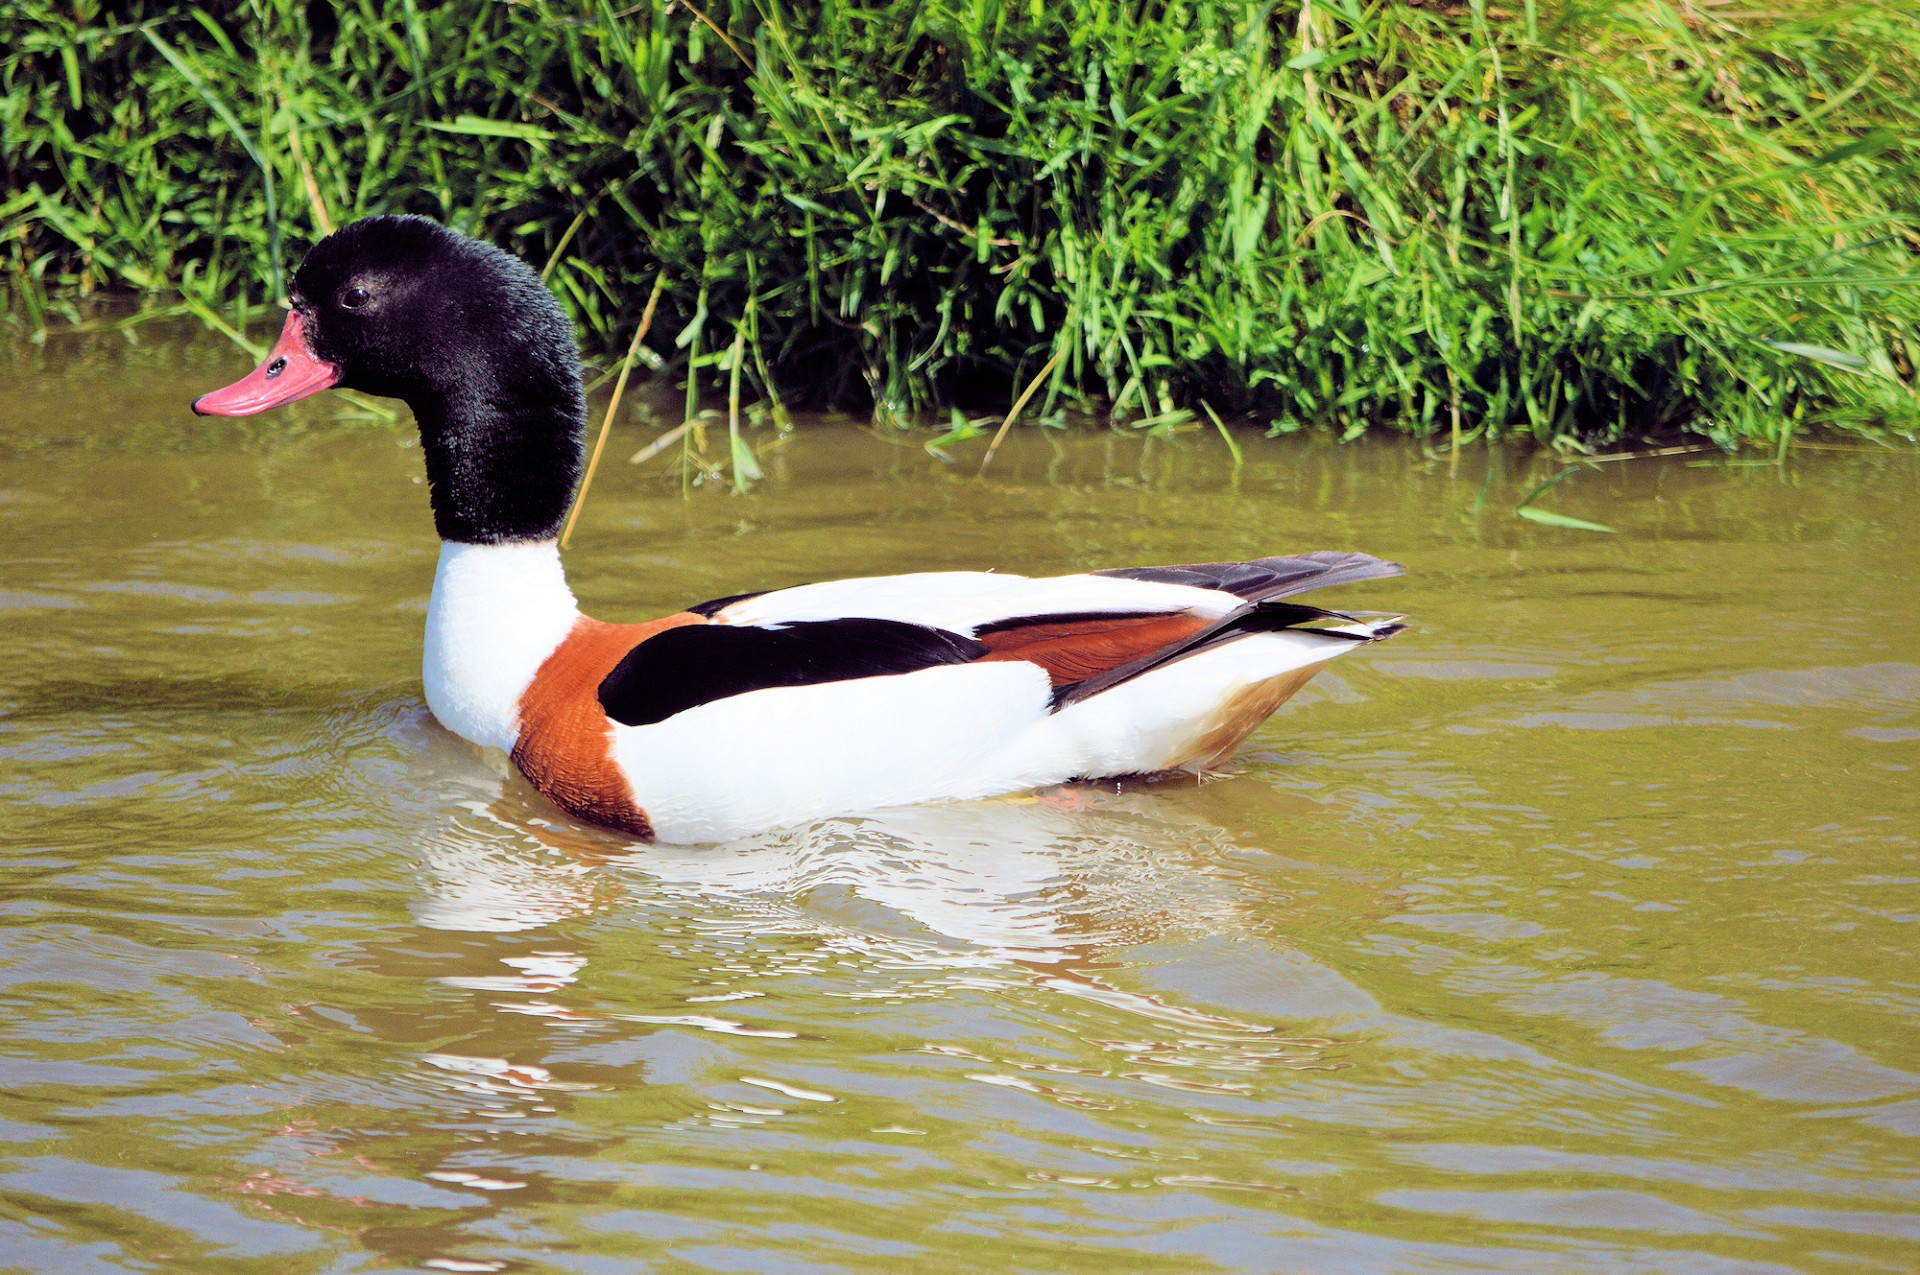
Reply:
x=1573, y=223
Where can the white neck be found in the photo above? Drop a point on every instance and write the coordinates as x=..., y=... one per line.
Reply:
x=498, y=611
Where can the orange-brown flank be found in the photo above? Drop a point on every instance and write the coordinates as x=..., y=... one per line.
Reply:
x=1074, y=650
x=565, y=747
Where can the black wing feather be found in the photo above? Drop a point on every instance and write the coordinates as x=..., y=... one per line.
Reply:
x=1264, y=578
x=696, y=664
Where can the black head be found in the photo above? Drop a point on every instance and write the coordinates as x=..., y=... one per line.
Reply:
x=405, y=308
x=470, y=338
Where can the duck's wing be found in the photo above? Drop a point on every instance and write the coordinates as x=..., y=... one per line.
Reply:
x=1086, y=632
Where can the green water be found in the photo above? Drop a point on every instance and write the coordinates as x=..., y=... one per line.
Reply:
x=1570, y=931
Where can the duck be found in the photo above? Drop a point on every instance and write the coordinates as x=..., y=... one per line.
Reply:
x=758, y=710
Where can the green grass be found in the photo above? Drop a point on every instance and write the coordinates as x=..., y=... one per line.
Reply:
x=1577, y=223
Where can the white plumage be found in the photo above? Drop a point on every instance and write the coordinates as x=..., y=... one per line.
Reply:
x=497, y=612
x=964, y=601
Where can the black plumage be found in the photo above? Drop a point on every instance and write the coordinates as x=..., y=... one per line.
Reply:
x=697, y=664
x=474, y=343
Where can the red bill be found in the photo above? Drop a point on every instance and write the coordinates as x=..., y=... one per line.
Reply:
x=290, y=373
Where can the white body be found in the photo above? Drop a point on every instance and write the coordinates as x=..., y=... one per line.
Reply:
x=788, y=754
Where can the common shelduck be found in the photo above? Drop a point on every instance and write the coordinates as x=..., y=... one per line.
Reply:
x=770, y=708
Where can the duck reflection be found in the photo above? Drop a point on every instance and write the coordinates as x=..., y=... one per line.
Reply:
x=1037, y=887
x=1034, y=879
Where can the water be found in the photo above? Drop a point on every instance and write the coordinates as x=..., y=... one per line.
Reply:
x=1568, y=932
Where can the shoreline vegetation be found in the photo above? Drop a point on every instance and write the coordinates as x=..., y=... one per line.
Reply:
x=1587, y=224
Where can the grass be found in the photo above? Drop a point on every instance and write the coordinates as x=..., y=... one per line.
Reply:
x=1579, y=223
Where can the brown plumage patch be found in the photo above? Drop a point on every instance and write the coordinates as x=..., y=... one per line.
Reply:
x=1237, y=717
x=565, y=746
x=1074, y=650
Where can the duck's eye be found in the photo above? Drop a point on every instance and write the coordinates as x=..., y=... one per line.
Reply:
x=354, y=298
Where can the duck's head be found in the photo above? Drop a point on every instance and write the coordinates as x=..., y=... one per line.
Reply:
x=468, y=337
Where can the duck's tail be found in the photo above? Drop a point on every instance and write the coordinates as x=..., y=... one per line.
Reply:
x=1263, y=582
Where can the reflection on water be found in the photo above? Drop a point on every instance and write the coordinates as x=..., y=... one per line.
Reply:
x=967, y=884
x=1569, y=932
